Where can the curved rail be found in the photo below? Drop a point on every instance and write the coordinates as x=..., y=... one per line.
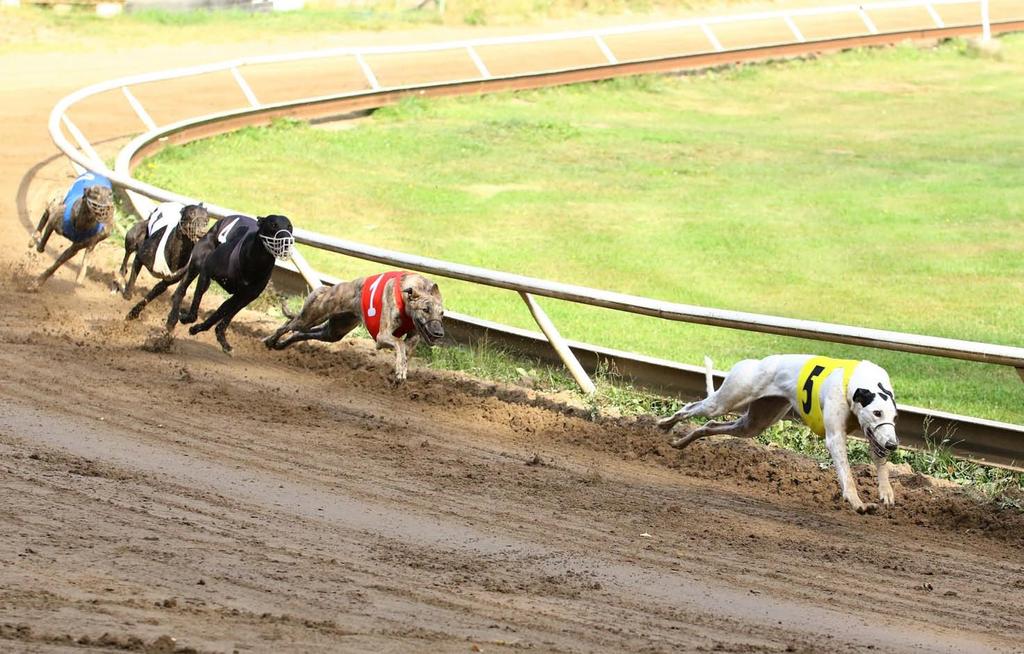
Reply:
x=333, y=105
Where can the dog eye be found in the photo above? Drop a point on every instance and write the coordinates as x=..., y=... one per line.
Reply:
x=878, y=414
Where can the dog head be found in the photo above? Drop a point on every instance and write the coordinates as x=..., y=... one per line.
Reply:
x=424, y=306
x=276, y=234
x=194, y=219
x=100, y=201
x=874, y=404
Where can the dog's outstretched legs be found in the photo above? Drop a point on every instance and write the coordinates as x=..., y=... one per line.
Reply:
x=760, y=415
x=155, y=292
x=190, y=316
x=402, y=347
x=61, y=260
x=190, y=273
x=336, y=328
x=222, y=316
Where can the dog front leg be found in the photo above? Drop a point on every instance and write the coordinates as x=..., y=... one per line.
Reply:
x=179, y=295
x=85, y=264
x=61, y=260
x=35, y=240
x=197, y=297
x=885, y=492
x=222, y=318
x=835, y=441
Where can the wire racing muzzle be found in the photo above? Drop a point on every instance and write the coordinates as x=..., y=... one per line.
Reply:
x=280, y=244
x=97, y=207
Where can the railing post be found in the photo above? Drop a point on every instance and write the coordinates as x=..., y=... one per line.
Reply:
x=797, y=34
x=986, y=27
x=144, y=116
x=605, y=50
x=312, y=278
x=83, y=144
x=367, y=72
x=246, y=89
x=478, y=62
x=935, y=15
x=867, y=20
x=561, y=347
x=711, y=37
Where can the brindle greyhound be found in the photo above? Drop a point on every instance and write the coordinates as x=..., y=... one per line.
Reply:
x=162, y=243
x=390, y=305
x=85, y=217
x=238, y=253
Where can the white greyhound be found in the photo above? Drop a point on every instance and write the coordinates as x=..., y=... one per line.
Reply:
x=832, y=396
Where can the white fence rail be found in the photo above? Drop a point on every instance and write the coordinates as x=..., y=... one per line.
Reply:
x=85, y=156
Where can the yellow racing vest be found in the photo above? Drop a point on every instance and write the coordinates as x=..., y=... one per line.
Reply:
x=808, y=388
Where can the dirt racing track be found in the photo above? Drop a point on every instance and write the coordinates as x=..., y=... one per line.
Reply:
x=294, y=501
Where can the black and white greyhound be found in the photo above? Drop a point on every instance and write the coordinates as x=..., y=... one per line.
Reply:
x=162, y=243
x=238, y=253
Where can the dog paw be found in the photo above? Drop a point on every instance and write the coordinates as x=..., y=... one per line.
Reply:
x=887, y=496
x=666, y=424
x=186, y=318
x=134, y=313
x=194, y=329
x=870, y=507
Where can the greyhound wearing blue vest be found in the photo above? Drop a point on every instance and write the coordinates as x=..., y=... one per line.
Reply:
x=162, y=243
x=238, y=253
x=833, y=397
x=85, y=217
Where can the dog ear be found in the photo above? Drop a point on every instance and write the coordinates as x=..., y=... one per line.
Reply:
x=887, y=393
x=863, y=396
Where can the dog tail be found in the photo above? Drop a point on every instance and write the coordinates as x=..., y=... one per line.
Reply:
x=284, y=309
x=709, y=380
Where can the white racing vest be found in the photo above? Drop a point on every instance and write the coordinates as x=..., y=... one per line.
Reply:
x=166, y=216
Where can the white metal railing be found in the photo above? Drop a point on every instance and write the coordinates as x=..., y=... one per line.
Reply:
x=85, y=156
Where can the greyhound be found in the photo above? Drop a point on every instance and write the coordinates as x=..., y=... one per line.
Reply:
x=832, y=396
x=85, y=217
x=162, y=243
x=390, y=305
x=238, y=253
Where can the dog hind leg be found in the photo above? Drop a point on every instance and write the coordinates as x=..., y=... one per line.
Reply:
x=759, y=415
x=155, y=292
x=331, y=331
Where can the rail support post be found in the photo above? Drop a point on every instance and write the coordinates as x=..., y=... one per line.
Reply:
x=561, y=347
x=1020, y=371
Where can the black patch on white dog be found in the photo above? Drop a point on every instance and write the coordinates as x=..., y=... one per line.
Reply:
x=863, y=396
x=887, y=393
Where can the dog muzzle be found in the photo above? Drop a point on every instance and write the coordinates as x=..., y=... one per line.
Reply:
x=192, y=230
x=97, y=207
x=881, y=450
x=432, y=331
x=280, y=244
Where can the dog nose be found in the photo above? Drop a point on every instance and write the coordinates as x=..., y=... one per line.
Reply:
x=891, y=446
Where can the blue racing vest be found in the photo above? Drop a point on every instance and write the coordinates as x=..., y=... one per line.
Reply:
x=74, y=195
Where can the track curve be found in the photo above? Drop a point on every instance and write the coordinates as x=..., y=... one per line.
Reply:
x=277, y=502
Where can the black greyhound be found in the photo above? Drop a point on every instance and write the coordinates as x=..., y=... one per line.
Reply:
x=238, y=253
x=162, y=243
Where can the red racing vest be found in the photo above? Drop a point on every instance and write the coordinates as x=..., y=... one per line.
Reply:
x=373, y=303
